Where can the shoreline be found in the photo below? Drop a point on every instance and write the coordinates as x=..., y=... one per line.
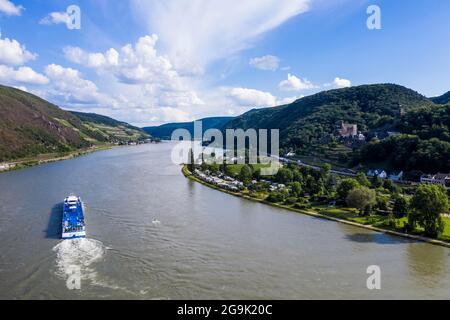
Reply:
x=314, y=214
x=41, y=159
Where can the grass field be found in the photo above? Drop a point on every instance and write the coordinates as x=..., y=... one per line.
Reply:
x=376, y=221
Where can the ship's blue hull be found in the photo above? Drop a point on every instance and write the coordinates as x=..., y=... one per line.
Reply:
x=73, y=220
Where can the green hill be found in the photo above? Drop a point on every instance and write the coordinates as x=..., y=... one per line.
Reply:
x=103, y=128
x=406, y=131
x=30, y=126
x=444, y=99
x=312, y=120
x=165, y=131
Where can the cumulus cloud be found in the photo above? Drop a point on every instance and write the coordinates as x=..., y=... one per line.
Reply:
x=92, y=60
x=13, y=53
x=24, y=75
x=288, y=100
x=210, y=30
x=252, y=98
x=342, y=83
x=10, y=9
x=70, y=87
x=141, y=65
x=294, y=83
x=268, y=62
x=55, y=18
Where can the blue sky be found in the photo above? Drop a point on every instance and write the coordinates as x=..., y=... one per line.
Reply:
x=155, y=61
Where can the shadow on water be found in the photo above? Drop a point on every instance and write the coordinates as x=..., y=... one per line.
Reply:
x=54, y=223
x=378, y=238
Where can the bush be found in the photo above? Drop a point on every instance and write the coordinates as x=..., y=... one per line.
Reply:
x=276, y=197
x=290, y=200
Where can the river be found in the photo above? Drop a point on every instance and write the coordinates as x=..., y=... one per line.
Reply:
x=153, y=234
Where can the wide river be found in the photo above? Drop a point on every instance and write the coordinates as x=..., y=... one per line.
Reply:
x=153, y=234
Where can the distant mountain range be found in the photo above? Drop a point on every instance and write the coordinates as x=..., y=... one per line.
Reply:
x=30, y=126
x=165, y=131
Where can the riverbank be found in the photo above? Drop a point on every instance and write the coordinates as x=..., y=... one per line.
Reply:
x=316, y=214
x=48, y=158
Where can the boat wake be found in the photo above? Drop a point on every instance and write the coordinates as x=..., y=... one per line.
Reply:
x=79, y=255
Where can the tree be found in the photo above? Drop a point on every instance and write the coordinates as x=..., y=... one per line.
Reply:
x=314, y=186
x=325, y=170
x=297, y=175
x=284, y=175
x=343, y=158
x=401, y=207
x=214, y=168
x=377, y=182
x=345, y=186
x=296, y=188
x=362, y=179
x=191, y=163
x=257, y=173
x=246, y=174
x=391, y=186
x=361, y=198
x=382, y=202
x=429, y=202
x=276, y=196
x=228, y=170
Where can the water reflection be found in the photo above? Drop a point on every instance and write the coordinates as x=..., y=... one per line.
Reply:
x=378, y=238
x=53, y=230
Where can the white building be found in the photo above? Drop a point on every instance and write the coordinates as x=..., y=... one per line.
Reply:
x=442, y=179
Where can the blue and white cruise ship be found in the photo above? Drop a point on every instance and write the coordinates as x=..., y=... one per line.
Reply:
x=73, y=224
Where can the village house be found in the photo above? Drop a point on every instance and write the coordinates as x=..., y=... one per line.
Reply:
x=361, y=137
x=442, y=179
x=396, y=176
x=377, y=173
x=4, y=167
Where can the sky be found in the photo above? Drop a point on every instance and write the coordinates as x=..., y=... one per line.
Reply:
x=149, y=62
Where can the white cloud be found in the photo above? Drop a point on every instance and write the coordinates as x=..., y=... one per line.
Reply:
x=9, y=8
x=294, y=83
x=288, y=100
x=13, y=53
x=141, y=66
x=252, y=98
x=342, y=83
x=24, y=75
x=267, y=62
x=210, y=30
x=169, y=114
x=92, y=60
x=55, y=18
x=23, y=88
x=133, y=64
x=70, y=87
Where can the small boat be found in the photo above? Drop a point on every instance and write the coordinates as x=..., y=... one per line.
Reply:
x=73, y=224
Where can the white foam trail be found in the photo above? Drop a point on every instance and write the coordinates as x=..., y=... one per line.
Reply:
x=156, y=222
x=80, y=253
